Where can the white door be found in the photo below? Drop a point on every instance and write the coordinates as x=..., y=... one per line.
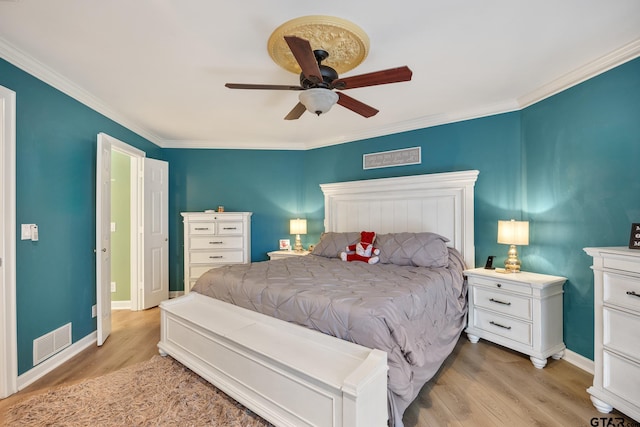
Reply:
x=103, y=238
x=156, y=233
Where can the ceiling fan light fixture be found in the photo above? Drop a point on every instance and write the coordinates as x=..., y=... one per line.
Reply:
x=318, y=100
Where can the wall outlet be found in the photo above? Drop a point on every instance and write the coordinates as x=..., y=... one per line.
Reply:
x=94, y=311
x=113, y=287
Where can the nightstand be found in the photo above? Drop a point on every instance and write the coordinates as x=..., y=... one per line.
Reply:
x=521, y=311
x=285, y=254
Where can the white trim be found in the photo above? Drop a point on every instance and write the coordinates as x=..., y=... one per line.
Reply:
x=41, y=71
x=8, y=321
x=39, y=371
x=121, y=305
x=579, y=361
x=575, y=77
x=606, y=62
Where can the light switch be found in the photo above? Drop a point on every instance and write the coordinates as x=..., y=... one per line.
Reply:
x=113, y=227
x=25, y=231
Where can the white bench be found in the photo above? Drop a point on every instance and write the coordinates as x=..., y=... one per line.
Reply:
x=287, y=374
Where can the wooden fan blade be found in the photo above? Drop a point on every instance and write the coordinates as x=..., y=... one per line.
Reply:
x=297, y=111
x=261, y=86
x=303, y=53
x=356, y=106
x=392, y=75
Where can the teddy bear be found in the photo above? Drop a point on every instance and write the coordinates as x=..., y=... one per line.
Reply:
x=363, y=250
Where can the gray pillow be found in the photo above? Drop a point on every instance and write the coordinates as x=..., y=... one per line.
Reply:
x=418, y=249
x=331, y=243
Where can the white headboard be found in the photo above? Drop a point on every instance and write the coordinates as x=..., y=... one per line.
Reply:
x=441, y=203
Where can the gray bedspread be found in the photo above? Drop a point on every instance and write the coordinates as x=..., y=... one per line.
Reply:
x=415, y=314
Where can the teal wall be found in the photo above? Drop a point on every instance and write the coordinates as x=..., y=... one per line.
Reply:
x=265, y=182
x=565, y=163
x=581, y=156
x=55, y=186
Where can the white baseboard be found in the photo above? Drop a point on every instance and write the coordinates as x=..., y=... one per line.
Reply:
x=120, y=305
x=56, y=360
x=175, y=294
x=579, y=361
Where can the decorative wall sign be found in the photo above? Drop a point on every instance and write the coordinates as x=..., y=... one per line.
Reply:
x=384, y=159
x=634, y=239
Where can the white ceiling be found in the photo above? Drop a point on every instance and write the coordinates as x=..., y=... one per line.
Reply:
x=159, y=66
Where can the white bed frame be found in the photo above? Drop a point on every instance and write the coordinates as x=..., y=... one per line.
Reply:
x=294, y=376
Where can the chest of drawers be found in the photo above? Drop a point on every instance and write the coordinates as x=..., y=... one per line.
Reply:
x=616, y=379
x=521, y=311
x=213, y=240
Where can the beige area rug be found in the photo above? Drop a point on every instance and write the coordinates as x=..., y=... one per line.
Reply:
x=159, y=392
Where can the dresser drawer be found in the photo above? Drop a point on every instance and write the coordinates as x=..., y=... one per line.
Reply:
x=202, y=228
x=217, y=257
x=624, y=264
x=621, y=290
x=621, y=332
x=226, y=228
x=503, y=302
x=622, y=377
x=496, y=324
x=504, y=285
x=216, y=242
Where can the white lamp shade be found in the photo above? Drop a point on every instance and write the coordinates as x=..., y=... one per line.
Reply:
x=298, y=226
x=513, y=232
x=318, y=100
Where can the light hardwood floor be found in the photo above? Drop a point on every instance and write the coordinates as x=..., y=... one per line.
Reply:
x=479, y=385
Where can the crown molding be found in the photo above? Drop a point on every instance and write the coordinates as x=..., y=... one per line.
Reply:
x=422, y=123
x=39, y=70
x=604, y=63
x=577, y=76
x=234, y=144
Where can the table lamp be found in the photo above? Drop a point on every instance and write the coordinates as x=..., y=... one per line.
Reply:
x=298, y=226
x=513, y=233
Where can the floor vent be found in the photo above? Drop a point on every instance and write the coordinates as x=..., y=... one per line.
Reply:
x=51, y=343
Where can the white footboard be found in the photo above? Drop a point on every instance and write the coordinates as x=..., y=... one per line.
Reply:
x=287, y=374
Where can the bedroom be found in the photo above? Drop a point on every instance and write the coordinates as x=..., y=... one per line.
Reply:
x=567, y=163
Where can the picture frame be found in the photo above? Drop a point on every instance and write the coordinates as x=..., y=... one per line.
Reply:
x=285, y=245
x=634, y=238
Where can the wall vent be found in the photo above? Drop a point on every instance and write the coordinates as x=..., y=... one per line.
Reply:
x=51, y=343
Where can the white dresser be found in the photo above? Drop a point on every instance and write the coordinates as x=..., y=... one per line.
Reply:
x=616, y=380
x=213, y=240
x=521, y=311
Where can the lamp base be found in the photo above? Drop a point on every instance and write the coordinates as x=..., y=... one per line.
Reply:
x=512, y=263
x=298, y=246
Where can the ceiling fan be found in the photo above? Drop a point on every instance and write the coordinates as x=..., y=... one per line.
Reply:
x=318, y=82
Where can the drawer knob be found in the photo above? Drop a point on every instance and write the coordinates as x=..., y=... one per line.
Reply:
x=499, y=302
x=499, y=285
x=633, y=294
x=499, y=325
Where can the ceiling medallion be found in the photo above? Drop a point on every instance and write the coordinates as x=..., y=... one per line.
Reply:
x=347, y=44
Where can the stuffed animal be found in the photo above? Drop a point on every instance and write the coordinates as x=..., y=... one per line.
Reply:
x=363, y=250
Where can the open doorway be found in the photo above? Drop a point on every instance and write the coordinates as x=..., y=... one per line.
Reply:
x=147, y=258
x=123, y=242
